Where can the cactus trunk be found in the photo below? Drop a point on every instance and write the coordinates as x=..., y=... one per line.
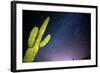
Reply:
x=31, y=53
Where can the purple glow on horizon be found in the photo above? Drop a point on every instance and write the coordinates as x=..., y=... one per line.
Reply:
x=66, y=55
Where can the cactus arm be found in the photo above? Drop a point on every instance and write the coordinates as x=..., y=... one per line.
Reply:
x=32, y=37
x=45, y=41
x=42, y=30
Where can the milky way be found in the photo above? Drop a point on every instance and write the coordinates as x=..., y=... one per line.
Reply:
x=70, y=35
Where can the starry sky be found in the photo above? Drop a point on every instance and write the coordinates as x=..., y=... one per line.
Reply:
x=70, y=35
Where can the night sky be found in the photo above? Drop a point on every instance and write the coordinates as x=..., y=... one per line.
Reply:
x=70, y=35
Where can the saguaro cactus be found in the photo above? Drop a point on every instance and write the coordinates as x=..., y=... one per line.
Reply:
x=35, y=41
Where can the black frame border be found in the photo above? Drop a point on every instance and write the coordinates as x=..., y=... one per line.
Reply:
x=13, y=35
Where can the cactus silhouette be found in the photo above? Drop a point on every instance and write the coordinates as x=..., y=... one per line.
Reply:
x=35, y=41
